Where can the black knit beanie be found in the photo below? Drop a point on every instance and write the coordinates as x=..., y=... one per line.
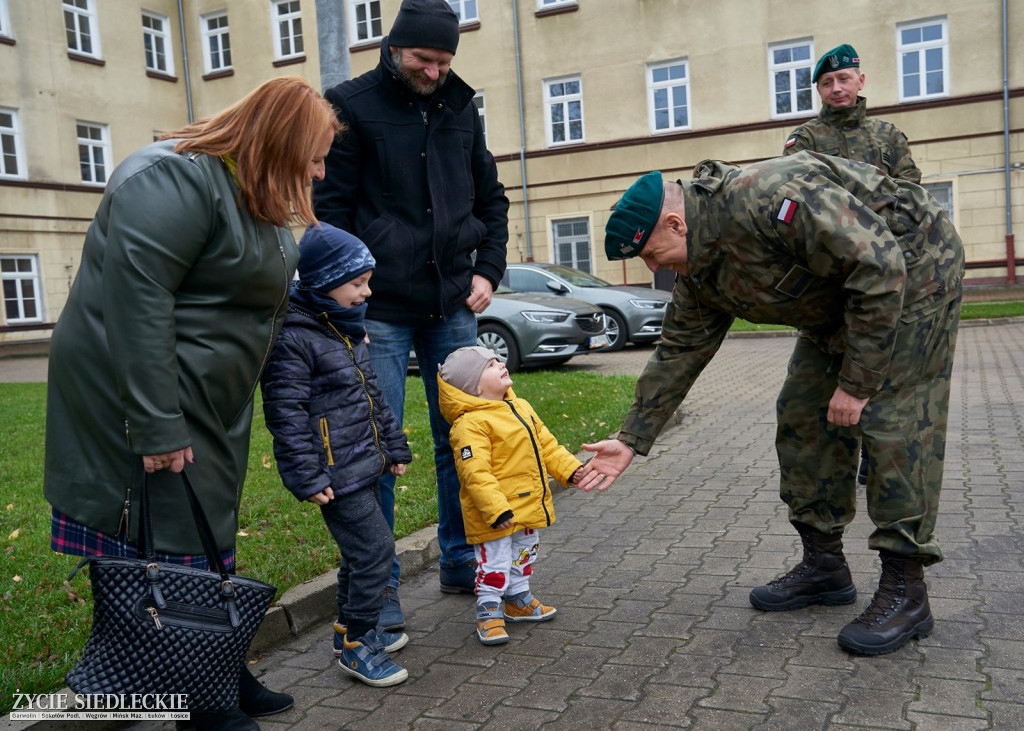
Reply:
x=425, y=24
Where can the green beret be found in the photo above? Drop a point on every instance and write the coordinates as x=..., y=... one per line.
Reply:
x=633, y=217
x=840, y=57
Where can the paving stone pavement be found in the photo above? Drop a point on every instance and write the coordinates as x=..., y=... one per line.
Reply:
x=650, y=578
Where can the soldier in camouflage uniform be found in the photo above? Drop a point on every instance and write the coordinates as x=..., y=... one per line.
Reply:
x=869, y=269
x=843, y=128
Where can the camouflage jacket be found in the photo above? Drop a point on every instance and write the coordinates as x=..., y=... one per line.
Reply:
x=826, y=245
x=851, y=134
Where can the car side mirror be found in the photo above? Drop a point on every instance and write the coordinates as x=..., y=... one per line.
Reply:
x=558, y=288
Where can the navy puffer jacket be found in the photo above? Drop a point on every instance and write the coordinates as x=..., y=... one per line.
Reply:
x=327, y=415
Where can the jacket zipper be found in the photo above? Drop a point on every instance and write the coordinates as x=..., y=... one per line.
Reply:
x=540, y=463
x=325, y=437
x=366, y=392
x=124, y=525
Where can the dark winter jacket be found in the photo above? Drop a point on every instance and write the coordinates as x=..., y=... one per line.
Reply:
x=330, y=424
x=419, y=188
x=172, y=315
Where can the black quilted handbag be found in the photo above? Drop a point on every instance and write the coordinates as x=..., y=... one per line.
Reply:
x=169, y=629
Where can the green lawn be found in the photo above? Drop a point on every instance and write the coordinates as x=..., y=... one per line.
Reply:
x=44, y=620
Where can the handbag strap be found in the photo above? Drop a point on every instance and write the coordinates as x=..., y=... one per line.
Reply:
x=146, y=544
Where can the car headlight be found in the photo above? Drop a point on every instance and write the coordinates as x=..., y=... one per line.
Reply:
x=648, y=304
x=546, y=316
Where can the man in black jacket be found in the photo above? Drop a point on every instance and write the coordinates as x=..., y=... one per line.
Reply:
x=412, y=178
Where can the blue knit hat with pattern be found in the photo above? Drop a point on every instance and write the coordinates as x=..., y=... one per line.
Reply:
x=329, y=257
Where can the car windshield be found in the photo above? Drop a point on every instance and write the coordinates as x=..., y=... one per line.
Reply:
x=575, y=276
x=502, y=289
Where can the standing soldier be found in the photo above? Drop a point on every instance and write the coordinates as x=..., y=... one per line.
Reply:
x=844, y=130
x=869, y=269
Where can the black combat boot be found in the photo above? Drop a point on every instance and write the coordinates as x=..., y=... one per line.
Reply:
x=822, y=577
x=256, y=700
x=898, y=613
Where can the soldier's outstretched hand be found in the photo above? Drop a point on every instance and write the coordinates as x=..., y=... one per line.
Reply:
x=611, y=458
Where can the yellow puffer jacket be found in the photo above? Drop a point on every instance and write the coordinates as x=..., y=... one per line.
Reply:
x=503, y=454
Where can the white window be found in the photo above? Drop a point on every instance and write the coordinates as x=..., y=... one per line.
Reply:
x=286, y=21
x=216, y=41
x=563, y=104
x=80, y=27
x=5, y=20
x=545, y=4
x=465, y=9
x=790, y=66
x=156, y=38
x=943, y=194
x=571, y=238
x=668, y=96
x=93, y=151
x=481, y=110
x=923, y=60
x=364, y=19
x=12, y=153
x=22, y=301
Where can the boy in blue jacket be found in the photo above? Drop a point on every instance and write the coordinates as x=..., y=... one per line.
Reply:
x=334, y=437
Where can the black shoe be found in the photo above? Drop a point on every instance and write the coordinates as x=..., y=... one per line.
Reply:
x=256, y=700
x=898, y=613
x=459, y=579
x=233, y=720
x=822, y=577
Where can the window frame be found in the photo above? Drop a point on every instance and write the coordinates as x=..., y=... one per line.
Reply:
x=19, y=278
x=921, y=49
x=551, y=4
x=354, y=23
x=84, y=16
x=5, y=20
x=296, y=36
x=947, y=185
x=163, y=35
x=459, y=8
x=551, y=101
x=481, y=111
x=17, y=142
x=654, y=87
x=791, y=67
x=574, y=242
x=220, y=34
x=102, y=145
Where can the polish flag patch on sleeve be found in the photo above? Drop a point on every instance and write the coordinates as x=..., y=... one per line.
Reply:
x=787, y=210
x=790, y=142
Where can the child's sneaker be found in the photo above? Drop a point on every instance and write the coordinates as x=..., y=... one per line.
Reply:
x=490, y=627
x=368, y=661
x=525, y=607
x=392, y=641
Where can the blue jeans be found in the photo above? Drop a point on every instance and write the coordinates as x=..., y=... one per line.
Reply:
x=390, y=344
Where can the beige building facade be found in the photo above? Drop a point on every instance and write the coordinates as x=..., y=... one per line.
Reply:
x=578, y=98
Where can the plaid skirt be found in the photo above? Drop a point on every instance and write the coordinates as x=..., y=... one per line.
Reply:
x=70, y=536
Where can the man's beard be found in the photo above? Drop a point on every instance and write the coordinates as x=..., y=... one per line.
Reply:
x=420, y=85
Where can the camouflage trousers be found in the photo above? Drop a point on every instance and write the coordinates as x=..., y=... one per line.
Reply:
x=902, y=427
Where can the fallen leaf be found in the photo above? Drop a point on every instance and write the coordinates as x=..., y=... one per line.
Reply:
x=266, y=461
x=14, y=534
x=17, y=578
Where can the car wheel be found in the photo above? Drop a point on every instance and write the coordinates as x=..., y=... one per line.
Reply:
x=615, y=326
x=499, y=340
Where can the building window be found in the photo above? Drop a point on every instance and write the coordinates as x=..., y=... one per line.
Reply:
x=216, y=41
x=923, y=60
x=21, y=289
x=12, y=154
x=571, y=238
x=478, y=102
x=365, y=20
x=790, y=66
x=5, y=20
x=80, y=27
x=668, y=96
x=287, y=25
x=943, y=194
x=546, y=4
x=156, y=38
x=93, y=151
x=563, y=103
x=465, y=9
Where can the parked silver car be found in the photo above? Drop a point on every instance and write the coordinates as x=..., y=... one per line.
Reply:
x=532, y=329
x=634, y=313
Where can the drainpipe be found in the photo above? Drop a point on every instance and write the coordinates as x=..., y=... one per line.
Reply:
x=522, y=130
x=1011, y=254
x=184, y=63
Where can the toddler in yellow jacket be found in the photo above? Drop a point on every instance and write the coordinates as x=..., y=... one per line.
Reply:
x=503, y=454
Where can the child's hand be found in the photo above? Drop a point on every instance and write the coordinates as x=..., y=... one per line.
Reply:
x=323, y=497
x=398, y=469
x=504, y=525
